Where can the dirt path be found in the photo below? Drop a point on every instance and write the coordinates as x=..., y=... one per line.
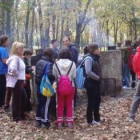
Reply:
x=113, y=110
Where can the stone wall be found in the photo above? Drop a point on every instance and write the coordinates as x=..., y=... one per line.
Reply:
x=111, y=64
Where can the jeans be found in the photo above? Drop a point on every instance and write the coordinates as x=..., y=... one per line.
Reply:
x=2, y=89
x=42, y=107
x=133, y=75
x=126, y=75
x=135, y=102
x=94, y=99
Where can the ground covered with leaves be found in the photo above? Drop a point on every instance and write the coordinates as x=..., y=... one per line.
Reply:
x=114, y=112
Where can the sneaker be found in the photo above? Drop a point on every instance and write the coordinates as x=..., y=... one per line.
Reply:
x=46, y=124
x=131, y=120
x=127, y=88
x=38, y=123
x=6, y=107
x=95, y=122
x=60, y=124
x=70, y=125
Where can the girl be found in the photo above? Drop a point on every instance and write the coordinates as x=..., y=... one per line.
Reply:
x=92, y=84
x=65, y=67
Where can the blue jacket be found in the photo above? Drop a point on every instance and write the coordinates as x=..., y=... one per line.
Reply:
x=74, y=53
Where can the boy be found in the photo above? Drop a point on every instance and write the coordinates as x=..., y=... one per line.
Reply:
x=27, y=55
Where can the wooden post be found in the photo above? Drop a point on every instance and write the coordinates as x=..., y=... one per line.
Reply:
x=33, y=89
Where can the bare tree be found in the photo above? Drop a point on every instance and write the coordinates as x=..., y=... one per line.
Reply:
x=81, y=21
x=27, y=23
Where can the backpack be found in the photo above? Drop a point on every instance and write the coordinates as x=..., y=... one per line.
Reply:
x=80, y=74
x=130, y=61
x=64, y=87
x=46, y=88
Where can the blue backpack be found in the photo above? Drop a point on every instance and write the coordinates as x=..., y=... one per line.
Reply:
x=80, y=78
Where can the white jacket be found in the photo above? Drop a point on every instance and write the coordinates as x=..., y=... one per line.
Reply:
x=64, y=66
x=14, y=66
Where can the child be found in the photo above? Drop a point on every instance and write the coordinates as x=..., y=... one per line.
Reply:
x=43, y=66
x=27, y=55
x=64, y=71
x=92, y=84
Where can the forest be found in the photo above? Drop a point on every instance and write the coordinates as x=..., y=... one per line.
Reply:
x=36, y=22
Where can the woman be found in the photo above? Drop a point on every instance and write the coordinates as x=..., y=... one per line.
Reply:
x=4, y=42
x=43, y=66
x=65, y=67
x=92, y=84
x=15, y=80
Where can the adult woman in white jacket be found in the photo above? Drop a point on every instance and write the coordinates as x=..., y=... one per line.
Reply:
x=15, y=80
x=64, y=66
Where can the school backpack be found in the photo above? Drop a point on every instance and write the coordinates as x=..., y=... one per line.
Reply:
x=130, y=61
x=64, y=87
x=80, y=74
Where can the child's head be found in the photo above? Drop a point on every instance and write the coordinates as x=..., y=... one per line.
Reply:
x=85, y=50
x=93, y=49
x=27, y=53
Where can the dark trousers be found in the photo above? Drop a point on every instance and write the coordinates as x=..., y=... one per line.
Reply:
x=28, y=96
x=8, y=97
x=94, y=99
x=42, y=107
x=133, y=75
x=2, y=89
x=28, y=89
x=52, y=108
x=18, y=101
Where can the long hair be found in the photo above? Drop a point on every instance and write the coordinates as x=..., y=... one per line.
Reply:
x=15, y=46
x=92, y=47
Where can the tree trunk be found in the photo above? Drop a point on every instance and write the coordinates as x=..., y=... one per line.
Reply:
x=3, y=15
x=40, y=22
x=53, y=26
x=79, y=24
x=32, y=25
x=78, y=34
x=8, y=23
x=57, y=29
x=115, y=31
x=27, y=25
x=107, y=33
x=62, y=30
x=17, y=20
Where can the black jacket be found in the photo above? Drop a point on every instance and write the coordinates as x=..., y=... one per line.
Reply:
x=40, y=70
x=96, y=68
x=74, y=53
x=28, y=68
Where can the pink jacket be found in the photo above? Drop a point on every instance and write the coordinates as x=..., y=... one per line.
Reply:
x=12, y=76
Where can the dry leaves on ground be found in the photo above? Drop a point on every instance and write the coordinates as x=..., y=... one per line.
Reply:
x=115, y=126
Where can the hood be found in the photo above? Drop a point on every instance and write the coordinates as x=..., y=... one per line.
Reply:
x=10, y=59
x=46, y=58
x=64, y=63
x=138, y=49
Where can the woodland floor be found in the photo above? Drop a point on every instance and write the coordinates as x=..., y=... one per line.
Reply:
x=115, y=127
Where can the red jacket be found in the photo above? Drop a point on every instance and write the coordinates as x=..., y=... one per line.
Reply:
x=136, y=63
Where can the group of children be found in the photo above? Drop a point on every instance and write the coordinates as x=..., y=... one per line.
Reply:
x=51, y=68
x=15, y=77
